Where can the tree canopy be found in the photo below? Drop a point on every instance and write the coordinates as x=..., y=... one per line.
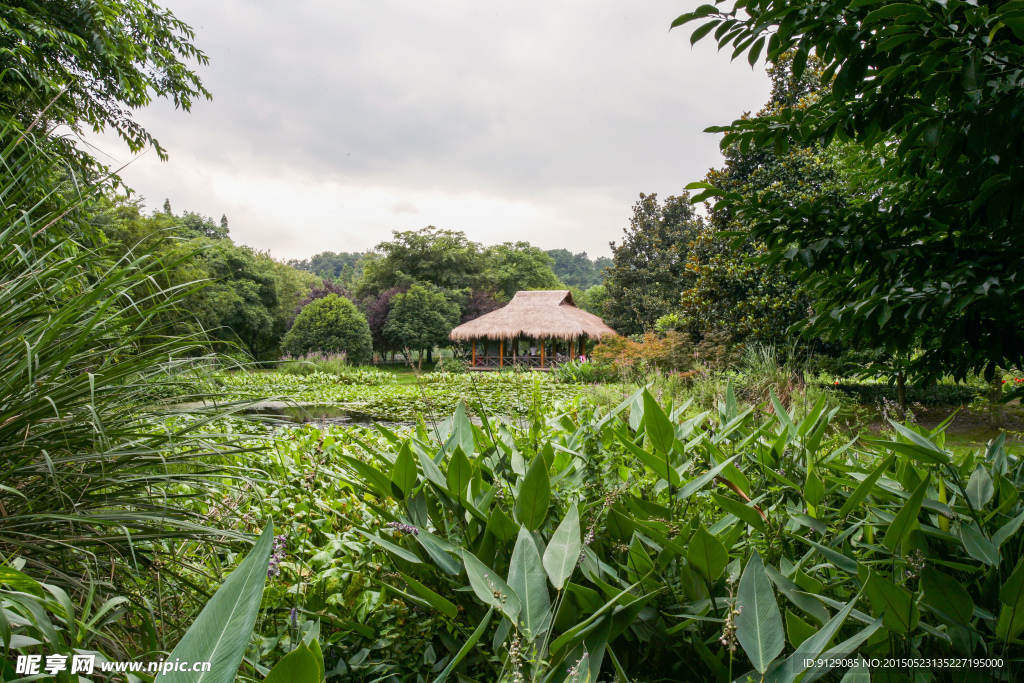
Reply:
x=330, y=325
x=512, y=267
x=420, y=319
x=443, y=258
x=648, y=269
x=88, y=63
x=577, y=270
x=932, y=95
x=732, y=292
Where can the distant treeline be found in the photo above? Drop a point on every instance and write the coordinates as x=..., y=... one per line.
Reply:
x=573, y=270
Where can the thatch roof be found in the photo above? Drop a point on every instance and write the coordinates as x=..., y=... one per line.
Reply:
x=545, y=314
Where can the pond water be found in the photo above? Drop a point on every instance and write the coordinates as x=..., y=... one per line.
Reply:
x=307, y=413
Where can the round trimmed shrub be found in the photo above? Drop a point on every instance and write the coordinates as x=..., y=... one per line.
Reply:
x=331, y=325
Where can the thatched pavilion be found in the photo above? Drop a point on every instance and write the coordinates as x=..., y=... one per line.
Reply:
x=536, y=329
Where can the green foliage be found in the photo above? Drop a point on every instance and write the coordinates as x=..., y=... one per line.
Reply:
x=380, y=396
x=577, y=270
x=345, y=267
x=420, y=318
x=930, y=95
x=250, y=298
x=90, y=465
x=330, y=325
x=220, y=634
x=648, y=268
x=443, y=258
x=89, y=67
x=512, y=267
x=636, y=522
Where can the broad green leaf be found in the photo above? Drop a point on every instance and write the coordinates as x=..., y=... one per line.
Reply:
x=862, y=491
x=860, y=673
x=657, y=424
x=759, y=623
x=745, y=513
x=298, y=666
x=221, y=632
x=376, y=481
x=403, y=474
x=657, y=464
x=491, y=588
x=841, y=651
x=636, y=410
x=527, y=578
x=501, y=525
x=436, y=601
x=810, y=605
x=462, y=431
x=814, y=490
x=464, y=650
x=894, y=604
x=797, y=629
x=393, y=548
x=947, y=597
x=928, y=452
x=781, y=413
x=534, y=495
x=563, y=551
x=460, y=471
x=834, y=556
x=707, y=555
x=1011, y=594
x=978, y=546
x=697, y=483
x=905, y=518
x=20, y=582
x=439, y=550
x=811, y=646
x=1005, y=532
x=432, y=472
x=979, y=487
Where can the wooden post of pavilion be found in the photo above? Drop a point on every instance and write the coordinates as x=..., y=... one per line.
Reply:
x=474, y=353
x=542, y=353
x=501, y=353
x=572, y=349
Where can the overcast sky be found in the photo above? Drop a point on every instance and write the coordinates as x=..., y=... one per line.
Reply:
x=334, y=123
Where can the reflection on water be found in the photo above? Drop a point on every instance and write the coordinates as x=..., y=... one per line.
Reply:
x=315, y=414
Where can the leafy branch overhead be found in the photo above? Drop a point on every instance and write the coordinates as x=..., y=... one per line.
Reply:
x=926, y=254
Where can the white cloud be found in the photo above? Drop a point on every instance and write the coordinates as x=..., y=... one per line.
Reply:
x=334, y=123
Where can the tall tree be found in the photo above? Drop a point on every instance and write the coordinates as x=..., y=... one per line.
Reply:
x=443, y=258
x=88, y=64
x=648, y=269
x=421, y=319
x=578, y=270
x=732, y=292
x=512, y=267
x=933, y=93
